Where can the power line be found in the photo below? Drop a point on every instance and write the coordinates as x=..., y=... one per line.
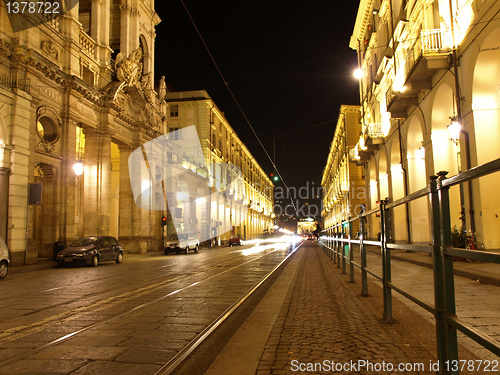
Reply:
x=282, y=135
x=226, y=83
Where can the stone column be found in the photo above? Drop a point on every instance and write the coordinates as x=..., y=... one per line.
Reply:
x=130, y=222
x=97, y=182
x=4, y=200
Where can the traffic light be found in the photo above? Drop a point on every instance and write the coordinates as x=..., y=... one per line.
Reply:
x=163, y=220
x=274, y=177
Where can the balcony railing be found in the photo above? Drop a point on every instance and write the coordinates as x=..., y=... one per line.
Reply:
x=432, y=42
x=50, y=20
x=375, y=130
x=88, y=44
x=14, y=80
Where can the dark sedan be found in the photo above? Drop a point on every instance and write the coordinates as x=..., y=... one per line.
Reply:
x=91, y=251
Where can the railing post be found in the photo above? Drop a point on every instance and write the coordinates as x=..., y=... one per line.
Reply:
x=351, y=256
x=386, y=264
x=342, y=237
x=332, y=242
x=449, y=281
x=439, y=285
x=334, y=247
x=362, y=250
x=339, y=243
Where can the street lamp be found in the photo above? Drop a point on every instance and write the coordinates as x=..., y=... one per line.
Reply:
x=358, y=73
x=78, y=168
x=454, y=130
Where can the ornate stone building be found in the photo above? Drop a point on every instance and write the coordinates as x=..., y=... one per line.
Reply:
x=430, y=66
x=76, y=90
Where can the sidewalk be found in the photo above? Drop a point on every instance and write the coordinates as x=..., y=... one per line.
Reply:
x=485, y=273
x=321, y=324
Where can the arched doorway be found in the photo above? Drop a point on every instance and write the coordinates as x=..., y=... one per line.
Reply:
x=399, y=231
x=373, y=221
x=486, y=107
x=445, y=153
x=417, y=180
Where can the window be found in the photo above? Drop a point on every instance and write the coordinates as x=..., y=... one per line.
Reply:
x=47, y=130
x=175, y=134
x=84, y=14
x=112, y=241
x=174, y=110
x=88, y=76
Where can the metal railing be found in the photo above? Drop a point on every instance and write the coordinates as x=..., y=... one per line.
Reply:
x=338, y=239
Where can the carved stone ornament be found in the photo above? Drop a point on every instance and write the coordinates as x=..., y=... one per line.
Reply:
x=148, y=92
x=47, y=128
x=49, y=48
x=129, y=68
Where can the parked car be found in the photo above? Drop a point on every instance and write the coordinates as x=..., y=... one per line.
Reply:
x=235, y=241
x=91, y=251
x=4, y=259
x=182, y=243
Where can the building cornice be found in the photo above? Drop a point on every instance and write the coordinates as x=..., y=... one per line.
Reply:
x=364, y=12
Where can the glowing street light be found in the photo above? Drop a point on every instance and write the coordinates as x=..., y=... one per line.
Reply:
x=358, y=73
x=78, y=168
x=454, y=130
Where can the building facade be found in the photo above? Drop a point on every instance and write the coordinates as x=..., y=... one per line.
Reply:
x=430, y=67
x=343, y=179
x=76, y=89
x=220, y=145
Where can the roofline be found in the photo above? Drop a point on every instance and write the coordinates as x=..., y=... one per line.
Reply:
x=365, y=7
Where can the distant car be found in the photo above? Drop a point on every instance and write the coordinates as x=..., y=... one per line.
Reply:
x=4, y=259
x=311, y=237
x=235, y=241
x=91, y=251
x=182, y=243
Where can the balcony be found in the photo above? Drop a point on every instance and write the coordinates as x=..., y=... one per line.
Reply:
x=88, y=45
x=427, y=55
x=399, y=101
x=374, y=134
x=361, y=153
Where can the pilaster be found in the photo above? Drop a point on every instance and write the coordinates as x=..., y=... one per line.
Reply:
x=130, y=227
x=18, y=183
x=97, y=182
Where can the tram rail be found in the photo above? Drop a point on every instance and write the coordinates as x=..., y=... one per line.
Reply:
x=202, y=276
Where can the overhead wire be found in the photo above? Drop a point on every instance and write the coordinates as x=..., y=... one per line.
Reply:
x=226, y=83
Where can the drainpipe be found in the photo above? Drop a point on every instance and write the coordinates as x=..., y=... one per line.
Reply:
x=458, y=101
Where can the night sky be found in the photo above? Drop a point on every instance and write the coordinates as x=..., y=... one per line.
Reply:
x=288, y=64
